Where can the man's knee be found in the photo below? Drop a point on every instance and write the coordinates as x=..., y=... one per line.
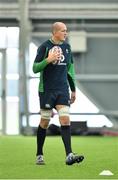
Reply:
x=64, y=121
x=44, y=123
x=45, y=118
x=64, y=115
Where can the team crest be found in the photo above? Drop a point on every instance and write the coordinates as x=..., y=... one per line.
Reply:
x=67, y=51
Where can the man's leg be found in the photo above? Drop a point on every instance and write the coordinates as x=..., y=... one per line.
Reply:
x=41, y=134
x=65, y=127
x=66, y=135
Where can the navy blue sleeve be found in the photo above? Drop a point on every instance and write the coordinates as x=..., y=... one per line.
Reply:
x=71, y=73
x=40, y=54
x=40, y=61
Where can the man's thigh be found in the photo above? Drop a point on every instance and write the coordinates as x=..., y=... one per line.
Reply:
x=47, y=100
x=63, y=98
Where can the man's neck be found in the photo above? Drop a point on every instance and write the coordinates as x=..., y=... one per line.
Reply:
x=55, y=41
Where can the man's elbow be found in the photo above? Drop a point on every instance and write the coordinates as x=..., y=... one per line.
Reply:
x=34, y=68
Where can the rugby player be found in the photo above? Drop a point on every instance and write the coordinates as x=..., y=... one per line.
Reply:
x=54, y=61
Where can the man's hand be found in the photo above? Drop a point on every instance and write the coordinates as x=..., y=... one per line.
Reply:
x=73, y=97
x=53, y=56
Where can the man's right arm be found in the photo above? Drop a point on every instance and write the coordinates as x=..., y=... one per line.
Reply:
x=43, y=58
x=40, y=61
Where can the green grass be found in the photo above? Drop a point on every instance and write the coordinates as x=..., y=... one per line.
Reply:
x=17, y=158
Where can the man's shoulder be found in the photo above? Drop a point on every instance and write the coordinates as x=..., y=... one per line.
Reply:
x=66, y=44
x=43, y=46
x=45, y=43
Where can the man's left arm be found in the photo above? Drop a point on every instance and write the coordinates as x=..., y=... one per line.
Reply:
x=71, y=80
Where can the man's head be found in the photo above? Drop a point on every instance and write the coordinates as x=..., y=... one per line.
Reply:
x=59, y=31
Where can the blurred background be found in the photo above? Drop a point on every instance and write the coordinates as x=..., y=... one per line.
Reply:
x=93, y=35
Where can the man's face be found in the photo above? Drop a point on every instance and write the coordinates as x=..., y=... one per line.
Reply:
x=61, y=34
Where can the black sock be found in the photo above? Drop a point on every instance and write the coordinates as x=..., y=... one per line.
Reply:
x=66, y=137
x=41, y=134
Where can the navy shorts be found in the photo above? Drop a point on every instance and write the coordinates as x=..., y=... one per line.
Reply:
x=49, y=99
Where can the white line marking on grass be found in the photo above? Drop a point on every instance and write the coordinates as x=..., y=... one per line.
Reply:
x=106, y=173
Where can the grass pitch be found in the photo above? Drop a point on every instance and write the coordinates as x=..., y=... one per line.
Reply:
x=17, y=158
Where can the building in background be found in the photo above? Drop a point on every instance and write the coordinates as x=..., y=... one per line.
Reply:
x=93, y=28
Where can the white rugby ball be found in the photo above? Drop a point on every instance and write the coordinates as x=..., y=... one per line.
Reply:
x=56, y=49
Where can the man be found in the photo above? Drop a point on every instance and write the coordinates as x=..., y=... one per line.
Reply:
x=55, y=64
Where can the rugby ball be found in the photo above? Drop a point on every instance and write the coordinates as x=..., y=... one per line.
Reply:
x=56, y=49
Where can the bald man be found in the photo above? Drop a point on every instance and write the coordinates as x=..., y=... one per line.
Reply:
x=55, y=63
